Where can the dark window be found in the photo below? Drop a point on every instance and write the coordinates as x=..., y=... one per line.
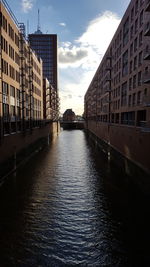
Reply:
x=126, y=32
x=140, y=58
x=141, y=18
x=125, y=64
x=124, y=94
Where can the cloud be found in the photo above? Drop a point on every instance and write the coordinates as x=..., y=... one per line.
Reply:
x=78, y=61
x=62, y=24
x=27, y=5
x=71, y=54
x=100, y=32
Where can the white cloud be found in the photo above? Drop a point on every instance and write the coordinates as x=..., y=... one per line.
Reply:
x=62, y=24
x=79, y=60
x=100, y=32
x=71, y=54
x=27, y=5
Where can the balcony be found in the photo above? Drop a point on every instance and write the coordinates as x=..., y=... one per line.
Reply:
x=107, y=88
x=147, y=29
x=147, y=54
x=108, y=57
x=146, y=77
x=146, y=101
x=147, y=6
x=108, y=67
x=107, y=78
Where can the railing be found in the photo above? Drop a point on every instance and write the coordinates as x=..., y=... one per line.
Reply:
x=147, y=29
x=146, y=77
x=146, y=101
x=147, y=5
x=147, y=53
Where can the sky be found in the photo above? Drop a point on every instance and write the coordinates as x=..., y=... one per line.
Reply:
x=84, y=28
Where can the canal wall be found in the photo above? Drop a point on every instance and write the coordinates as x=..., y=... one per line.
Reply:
x=126, y=147
x=19, y=147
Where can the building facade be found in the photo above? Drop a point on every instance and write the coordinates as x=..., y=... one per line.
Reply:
x=117, y=102
x=51, y=101
x=69, y=115
x=21, y=87
x=45, y=45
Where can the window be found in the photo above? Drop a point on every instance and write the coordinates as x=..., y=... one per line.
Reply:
x=132, y=14
x=126, y=32
x=12, y=110
x=135, y=63
x=141, y=18
x=4, y=23
x=18, y=94
x=139, y=98
x=12, y=91
x=18, y=112
x=4, y=65
x=131, y=32
x=131, y=50
x=134, y=81
x=131, y=65
x=136, y=6
x=128, y=118
x=140, y=58
x=5, y=89
x=133, y=99
x=124, y=94
x=141, y=118
x=125, y=64
x=139, y=78
x=140, y=38
x=5, y=109
x=135, y=44
x=145, y=92
x=136, y=26
x=141, y=2
x=146, y=70
x=129, y=100
x=130, y=84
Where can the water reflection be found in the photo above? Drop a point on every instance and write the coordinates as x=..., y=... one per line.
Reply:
x=64, y=208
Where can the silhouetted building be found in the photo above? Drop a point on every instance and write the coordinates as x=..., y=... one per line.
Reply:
x=45, y=45
x=68, y=115
x=117, y=102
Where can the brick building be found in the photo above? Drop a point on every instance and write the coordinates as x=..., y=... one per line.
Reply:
x=69, y=115
x=117, y=102
x=21, y=87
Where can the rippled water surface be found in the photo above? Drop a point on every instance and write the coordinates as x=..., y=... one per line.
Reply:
x=60, y=211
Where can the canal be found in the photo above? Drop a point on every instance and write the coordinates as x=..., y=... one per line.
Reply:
x=68, y=206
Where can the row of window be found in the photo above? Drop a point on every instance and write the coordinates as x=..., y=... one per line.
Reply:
x=36, y=91
x=14, y=74
x=133, y=30
x=9, y=50
x=36, y=79
x=125, y=61
x=11, y=110
x=134, y=99
x=8, y=29
x=10, y=90
x=36, y=67
x=128, y=118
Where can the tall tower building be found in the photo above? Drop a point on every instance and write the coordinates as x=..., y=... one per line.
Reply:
x=45, y=45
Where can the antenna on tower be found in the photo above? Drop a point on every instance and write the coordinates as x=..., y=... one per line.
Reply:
x=38, y=26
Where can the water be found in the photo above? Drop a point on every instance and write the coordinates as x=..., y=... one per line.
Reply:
x=69, y=207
